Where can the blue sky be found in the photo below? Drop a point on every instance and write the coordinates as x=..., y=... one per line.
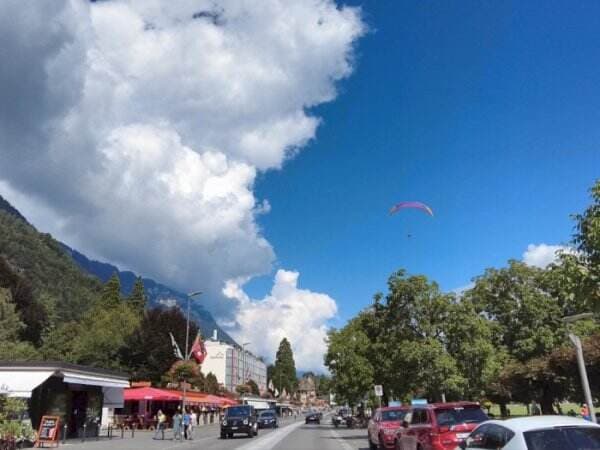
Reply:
x=486, y=111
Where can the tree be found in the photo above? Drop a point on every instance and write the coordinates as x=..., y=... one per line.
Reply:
x=31, y=312
x=243, y=389
x=587, y=240
x=10, y=322
x=148, y=350
x=111, y=292
x=346, y=358
x=211, y=384
x=284, y=372
x=254, y=390
x=137, y=299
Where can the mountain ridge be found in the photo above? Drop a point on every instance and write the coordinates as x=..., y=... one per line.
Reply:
x=158, y=294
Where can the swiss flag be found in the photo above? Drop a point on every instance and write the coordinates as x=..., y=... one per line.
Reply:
x=198, y=349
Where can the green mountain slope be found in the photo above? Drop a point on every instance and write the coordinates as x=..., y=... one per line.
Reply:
x=55, y=279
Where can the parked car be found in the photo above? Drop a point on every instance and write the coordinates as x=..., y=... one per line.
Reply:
x=267, y=419
x=383, y=425
x=535, y=433
x=239, y=419
x=312, y=418
x=438, y=426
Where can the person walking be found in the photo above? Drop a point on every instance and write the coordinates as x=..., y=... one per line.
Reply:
x=177, y=419
x=187, y=421
x=193, y=423
x=161, y=421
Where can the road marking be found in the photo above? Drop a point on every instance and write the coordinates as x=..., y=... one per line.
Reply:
x=271, y=439
x=341, y=441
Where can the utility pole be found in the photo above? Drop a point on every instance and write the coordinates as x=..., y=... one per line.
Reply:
x=187, y=343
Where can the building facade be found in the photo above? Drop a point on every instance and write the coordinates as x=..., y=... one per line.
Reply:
x=233, y=367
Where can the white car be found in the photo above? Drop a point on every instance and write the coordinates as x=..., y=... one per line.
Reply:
x=535, y=433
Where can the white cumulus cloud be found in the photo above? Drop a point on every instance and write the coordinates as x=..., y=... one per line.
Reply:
x=289, y=312
x=542, y=255
x=142, y=124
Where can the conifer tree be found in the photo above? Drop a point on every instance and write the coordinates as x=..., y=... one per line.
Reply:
x=137, y=299
x=111, y=292
x=284, y=372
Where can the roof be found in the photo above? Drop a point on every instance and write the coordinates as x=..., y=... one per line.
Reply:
x=60, y=366
x=307, y=384
x=394, y=408
x=523, y=424
x=447, y=405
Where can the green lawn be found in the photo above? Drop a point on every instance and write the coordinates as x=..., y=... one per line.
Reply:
x=519, y=409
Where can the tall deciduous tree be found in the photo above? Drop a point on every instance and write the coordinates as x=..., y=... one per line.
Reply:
x=284, y=372
x=148, y=350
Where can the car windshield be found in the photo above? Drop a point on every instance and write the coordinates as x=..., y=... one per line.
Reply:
x=394, y=415
x=572, y=438
x=454, y=416
x=266, y=414
x=238, y=411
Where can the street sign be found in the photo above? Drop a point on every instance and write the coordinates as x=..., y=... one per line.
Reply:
x=379, y=390
x=418, y=401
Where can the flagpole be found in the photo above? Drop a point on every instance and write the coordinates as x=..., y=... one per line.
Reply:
x=187, y=340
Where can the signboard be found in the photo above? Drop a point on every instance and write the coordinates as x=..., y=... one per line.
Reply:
x=379, y=390
x=418, y=401
x=49, y=431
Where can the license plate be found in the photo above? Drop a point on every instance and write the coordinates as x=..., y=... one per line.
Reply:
x=462, y=435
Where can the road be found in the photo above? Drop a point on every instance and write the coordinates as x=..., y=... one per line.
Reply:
x=289, y=436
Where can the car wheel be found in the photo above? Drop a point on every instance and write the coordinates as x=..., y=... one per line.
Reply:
x=223, y=435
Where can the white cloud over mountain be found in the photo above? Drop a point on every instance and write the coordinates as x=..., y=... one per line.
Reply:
x=142, y=124
x=542, y=255
x=288, y=311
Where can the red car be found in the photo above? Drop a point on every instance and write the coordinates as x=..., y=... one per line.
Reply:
x=438, y=426
x=383, y=426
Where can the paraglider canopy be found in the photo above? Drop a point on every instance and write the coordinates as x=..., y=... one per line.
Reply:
x=417, y=205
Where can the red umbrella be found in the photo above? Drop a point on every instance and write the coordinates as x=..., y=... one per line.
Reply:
x=148, y=393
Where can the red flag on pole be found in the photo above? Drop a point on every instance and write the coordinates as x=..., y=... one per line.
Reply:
x=198, y=349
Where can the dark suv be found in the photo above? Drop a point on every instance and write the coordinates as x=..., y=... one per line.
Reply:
x=239, y=419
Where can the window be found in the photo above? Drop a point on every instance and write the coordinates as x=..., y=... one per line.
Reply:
x=419, y=417
x=572, y=438
x=452, y=416
x=489, y=437
x=394, y=415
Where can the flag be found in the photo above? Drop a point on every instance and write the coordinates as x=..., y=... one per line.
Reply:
x=271, y=387
x=176, y=350
x=276, y=393
x=198, y=349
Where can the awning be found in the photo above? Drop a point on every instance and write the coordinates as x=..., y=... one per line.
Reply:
x=92, y=380
x=159, y=395
x=17, y=383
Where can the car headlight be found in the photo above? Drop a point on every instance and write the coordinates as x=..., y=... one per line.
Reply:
x=245, y=421
x=224, y=423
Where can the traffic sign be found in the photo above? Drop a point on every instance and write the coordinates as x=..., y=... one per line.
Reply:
x=379, y=390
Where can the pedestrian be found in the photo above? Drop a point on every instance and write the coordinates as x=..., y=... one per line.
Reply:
x=177, y=419
x=193, y=423
x=186, y=424
x=161, y=421
x=585, y=412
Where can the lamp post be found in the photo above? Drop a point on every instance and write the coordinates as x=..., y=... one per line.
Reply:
x=187, y=343
x=581, y=362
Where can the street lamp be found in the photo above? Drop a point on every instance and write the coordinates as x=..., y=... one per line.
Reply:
x=581, y=362
x=187, y=341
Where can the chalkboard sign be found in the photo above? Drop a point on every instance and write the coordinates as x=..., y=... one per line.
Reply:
x=49, y=431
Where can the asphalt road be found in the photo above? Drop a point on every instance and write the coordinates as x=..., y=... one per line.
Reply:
x=291, y=435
